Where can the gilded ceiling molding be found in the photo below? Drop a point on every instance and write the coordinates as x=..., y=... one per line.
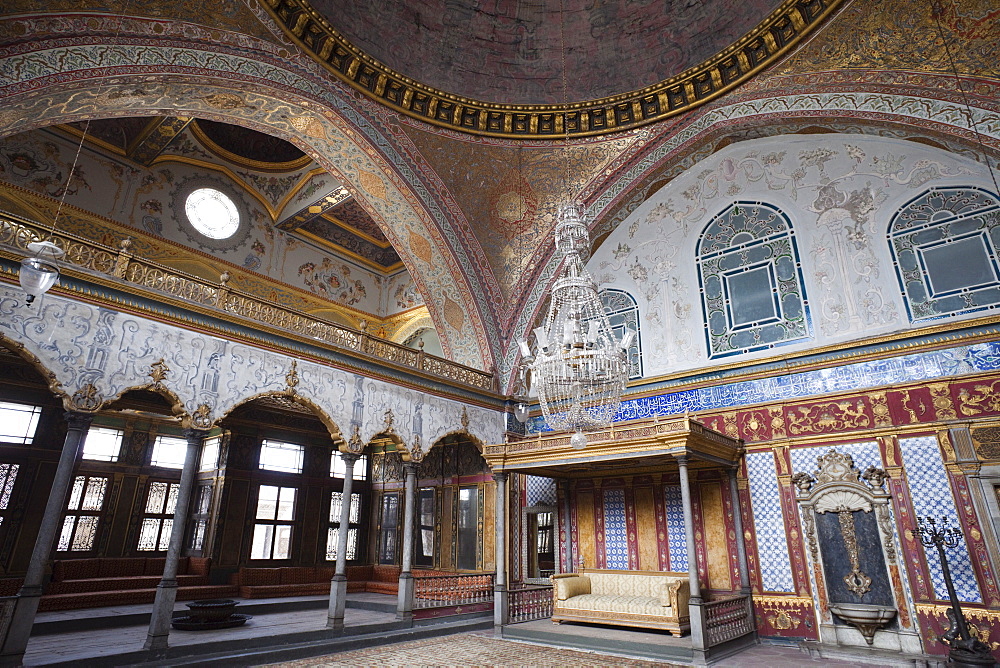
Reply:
x=767, y=42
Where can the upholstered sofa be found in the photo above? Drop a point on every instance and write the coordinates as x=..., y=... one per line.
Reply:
x=646, y=599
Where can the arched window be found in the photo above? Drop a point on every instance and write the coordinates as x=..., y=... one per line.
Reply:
x=944, y=250
x=623, y=314
x=752, y=292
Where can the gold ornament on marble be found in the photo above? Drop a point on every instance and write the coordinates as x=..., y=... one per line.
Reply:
x=292, y=377
x=158, y=372
x=202, y=417
x=87, y=399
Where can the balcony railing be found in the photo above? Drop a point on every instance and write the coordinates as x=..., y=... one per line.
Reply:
x=441, y=591
x=120, y=264
x=530, y=602
x=728, y=619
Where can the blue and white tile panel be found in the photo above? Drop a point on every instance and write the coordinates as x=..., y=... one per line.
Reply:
x=676, y=540
x=540, y=491
x=864, y=454
x=615, y=530
x=917, y=367
x=931, y=494
x=769, y=524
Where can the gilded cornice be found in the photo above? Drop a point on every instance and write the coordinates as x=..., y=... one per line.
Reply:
x=763, y=45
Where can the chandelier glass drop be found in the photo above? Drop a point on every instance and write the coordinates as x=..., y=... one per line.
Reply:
x=579, y=369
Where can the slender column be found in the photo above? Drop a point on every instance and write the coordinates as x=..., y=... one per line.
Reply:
x=500, y=596
x=338, y=585
x=26, y=605
x=694, y=605
x=166, y=591
x=741, y=548
x=404, y=606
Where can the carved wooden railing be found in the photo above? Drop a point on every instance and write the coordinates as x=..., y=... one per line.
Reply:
x=439, y=591
x=728, y=619
x=530, y=602
x=122, y=265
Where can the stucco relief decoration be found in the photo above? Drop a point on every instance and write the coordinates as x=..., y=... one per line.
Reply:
x=838, y=191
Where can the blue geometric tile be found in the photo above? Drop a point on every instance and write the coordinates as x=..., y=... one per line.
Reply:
x=540, y=491
x=864, y=454
x=769, y=522
x=615, y=531
x=676, y=540
x=931, y=494
x=897, y=370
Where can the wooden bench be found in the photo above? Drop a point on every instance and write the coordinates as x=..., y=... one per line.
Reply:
x=103, y=581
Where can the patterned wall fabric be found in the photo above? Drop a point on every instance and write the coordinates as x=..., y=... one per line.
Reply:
x=931, y=493
x=540, y=491
x=615, y=530
x=676, y=542
x=769, y=522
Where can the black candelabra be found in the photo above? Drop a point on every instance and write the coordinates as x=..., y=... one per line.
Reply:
x=965, y=650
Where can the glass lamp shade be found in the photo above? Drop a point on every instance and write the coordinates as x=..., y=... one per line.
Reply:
x=37, y=276
x=521, y=411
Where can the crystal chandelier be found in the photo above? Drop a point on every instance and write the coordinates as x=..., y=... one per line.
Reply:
x=579, y=368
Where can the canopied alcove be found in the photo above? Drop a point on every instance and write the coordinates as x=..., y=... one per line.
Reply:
x=653, y=496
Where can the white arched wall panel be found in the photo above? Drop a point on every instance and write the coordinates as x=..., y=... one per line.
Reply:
x=839, y=191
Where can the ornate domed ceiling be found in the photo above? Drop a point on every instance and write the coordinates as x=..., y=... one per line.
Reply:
x=511, y=52
x=503, y=67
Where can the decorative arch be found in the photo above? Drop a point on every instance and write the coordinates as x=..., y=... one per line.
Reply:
x=331, y=426
x=308, y=110
x=51, y=380
x=176, y=402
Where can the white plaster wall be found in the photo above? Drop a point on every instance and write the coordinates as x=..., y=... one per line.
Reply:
x=113, y=351
x=841, y=234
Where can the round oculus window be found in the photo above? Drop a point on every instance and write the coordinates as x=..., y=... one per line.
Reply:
x=212, y=213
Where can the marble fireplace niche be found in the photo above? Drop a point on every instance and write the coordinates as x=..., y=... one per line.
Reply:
x=852, y=550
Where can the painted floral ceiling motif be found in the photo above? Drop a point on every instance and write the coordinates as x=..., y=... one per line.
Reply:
x=346, y=228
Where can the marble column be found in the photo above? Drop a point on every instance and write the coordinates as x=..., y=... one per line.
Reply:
x=338, y=585
x=501, y=599
x=23, y=617
x=697, y=619
x=404, y=605
x=166, y=591
x=741, y=548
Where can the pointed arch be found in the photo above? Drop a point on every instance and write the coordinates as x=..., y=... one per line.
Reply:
x=300, y=105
